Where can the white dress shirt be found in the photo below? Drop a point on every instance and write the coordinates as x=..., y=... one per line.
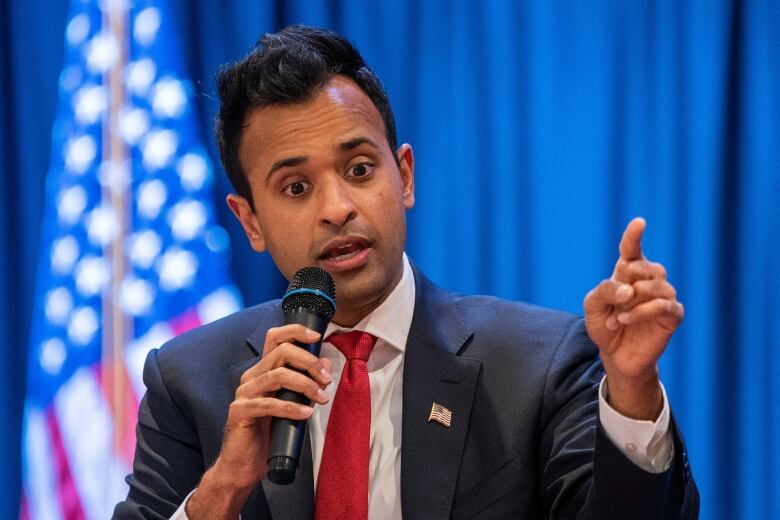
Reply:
x=648, y=444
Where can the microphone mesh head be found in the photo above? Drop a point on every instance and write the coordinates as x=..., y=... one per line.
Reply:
x=312, y=278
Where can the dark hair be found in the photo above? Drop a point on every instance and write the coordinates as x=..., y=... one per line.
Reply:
x=285, y=68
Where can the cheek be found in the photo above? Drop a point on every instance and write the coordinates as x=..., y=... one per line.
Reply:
x=287, y=236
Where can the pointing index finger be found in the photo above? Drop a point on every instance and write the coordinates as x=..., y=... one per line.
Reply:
x=631, y=243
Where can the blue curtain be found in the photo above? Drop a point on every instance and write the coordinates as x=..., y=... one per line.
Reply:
x=539, y=129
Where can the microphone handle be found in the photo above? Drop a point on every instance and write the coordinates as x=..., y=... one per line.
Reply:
x=284, y=449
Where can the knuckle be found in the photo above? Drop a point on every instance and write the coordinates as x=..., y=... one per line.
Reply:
x=235, y=408
x=314, y=365
x=250, y=372
x=287, y=349
x=268, y=379
x=312, y=388
x=265, y=405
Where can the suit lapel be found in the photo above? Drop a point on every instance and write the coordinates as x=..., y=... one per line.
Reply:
x=431, y=453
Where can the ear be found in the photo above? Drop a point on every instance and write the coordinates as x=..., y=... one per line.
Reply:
x=243, y=212
x=406, y=168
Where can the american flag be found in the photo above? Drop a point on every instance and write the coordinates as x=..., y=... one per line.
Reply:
x=440, y=414
x=130, y=253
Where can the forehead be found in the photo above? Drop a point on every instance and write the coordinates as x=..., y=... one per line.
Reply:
x=339, y=112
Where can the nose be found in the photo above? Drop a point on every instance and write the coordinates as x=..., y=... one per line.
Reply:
x=336, y=204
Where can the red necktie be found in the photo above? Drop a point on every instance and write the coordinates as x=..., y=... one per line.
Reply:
x=342, y=484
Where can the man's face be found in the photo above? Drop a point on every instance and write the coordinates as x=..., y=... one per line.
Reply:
x=328, y=193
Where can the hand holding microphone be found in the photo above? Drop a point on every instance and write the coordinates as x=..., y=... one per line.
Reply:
x=309, y=301
x=273, y=394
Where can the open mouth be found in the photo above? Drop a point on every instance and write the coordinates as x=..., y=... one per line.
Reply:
x=346, y=253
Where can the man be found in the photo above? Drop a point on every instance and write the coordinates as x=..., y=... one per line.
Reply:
x=527, y=427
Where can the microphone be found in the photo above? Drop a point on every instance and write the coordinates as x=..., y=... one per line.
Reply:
x=310, y=300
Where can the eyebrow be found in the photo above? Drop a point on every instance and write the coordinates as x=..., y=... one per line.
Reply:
x=354, y=143
x=287, y=162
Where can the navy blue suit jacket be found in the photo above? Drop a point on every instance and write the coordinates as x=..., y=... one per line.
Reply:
x=525, y=439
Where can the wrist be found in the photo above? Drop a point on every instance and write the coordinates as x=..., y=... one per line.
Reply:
x=639, y=398
x=218, y=496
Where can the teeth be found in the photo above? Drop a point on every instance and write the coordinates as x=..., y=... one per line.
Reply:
x=344, y=252
x=345, y=256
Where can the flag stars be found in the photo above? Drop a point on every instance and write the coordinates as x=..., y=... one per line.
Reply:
x=177, y=269
x=139, y=76
x=91, y=275
x=145, y=246
x=136, y=296
x=102, y=225
x=187, y=219
x=70, y=78
x=52, y=356
x=82, y=326
x=115, y=175
x=59, y=303
x=158, y=148
x=146, y=25
x=79, y=153
x=193, y=171
x=168, y=98
x=64, y=253
x=89, y=103
x=102, y=53
x=78, y=29
x=71, y=204
x=151, y=196
x=133, y=124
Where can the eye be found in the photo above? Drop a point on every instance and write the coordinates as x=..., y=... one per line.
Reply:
x=296, y=189
x=360, y=170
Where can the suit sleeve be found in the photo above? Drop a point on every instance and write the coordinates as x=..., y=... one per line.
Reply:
x=582, y=473
x=168, y=461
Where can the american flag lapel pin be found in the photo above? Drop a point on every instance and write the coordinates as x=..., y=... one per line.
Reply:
x=440, y=414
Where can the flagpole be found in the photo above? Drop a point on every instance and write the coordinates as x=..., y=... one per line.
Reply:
x=117, y=329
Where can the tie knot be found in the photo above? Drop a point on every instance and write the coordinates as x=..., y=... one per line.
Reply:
x=354, y=344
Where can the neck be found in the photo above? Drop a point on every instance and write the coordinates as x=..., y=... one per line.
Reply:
x=350, y=313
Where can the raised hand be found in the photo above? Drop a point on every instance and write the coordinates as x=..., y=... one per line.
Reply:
x=631, y=317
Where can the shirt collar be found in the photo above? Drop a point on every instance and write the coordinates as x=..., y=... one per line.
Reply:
x=392, y=320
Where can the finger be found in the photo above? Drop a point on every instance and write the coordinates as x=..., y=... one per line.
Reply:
x=288, y=334
x=605, y=295
x=629, y=272
x=668, y=312
x=645, y=290
x=243, y=409
x=268, y=383
x=631, y=242
x=327, y=367
x=291, y=355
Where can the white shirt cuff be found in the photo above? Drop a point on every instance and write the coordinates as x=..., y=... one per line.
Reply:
x=648, y=444
x=180, y=513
